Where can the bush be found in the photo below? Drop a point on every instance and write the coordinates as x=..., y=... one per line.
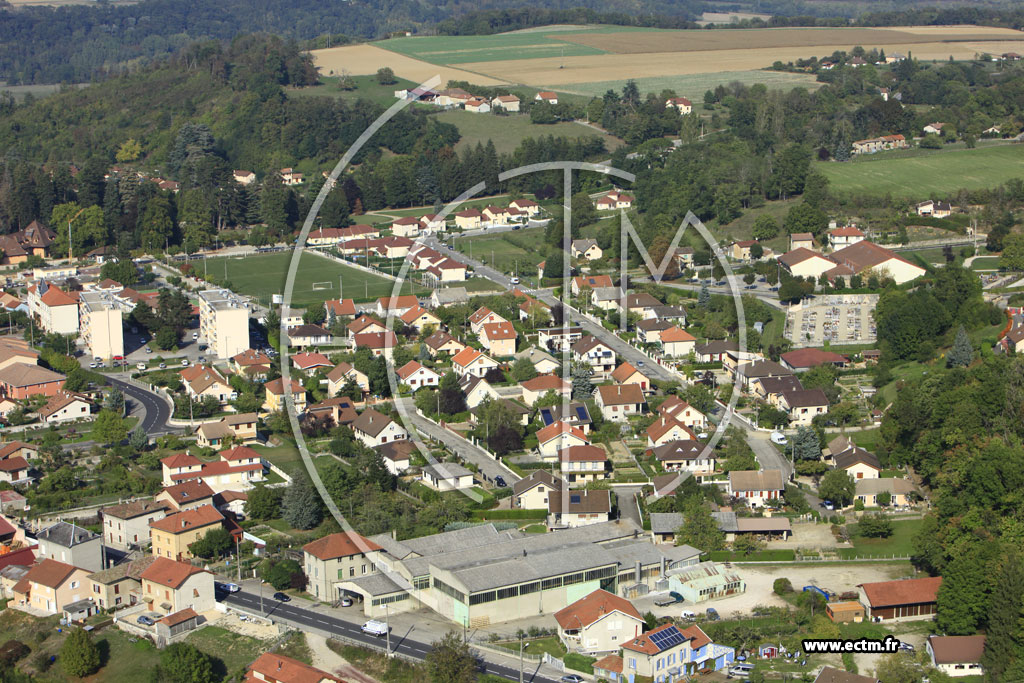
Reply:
x=12, y=652
x=875, y=526
x=782, y=586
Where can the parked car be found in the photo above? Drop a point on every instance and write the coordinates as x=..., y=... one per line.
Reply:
x=571, y=678
x=779, y=438
x=499, y=481
x=713, y=614
x=827, y=504
x=195, y=336
x=281, y=597
x=97, y=359
x=515, y=281
x=687, y=614
x=94, y=365
x=184, y=362
x=163, y=366
x=145, y=621
x=346, y=602
x=140, y=365
x=741, y=670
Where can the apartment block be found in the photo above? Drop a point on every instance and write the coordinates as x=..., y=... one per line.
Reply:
x=224, y=322
x=100, y=319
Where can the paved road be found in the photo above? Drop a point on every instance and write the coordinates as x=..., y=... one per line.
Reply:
x=156, y=412
x=626, y=502
x=400, y=643
x=489, y=467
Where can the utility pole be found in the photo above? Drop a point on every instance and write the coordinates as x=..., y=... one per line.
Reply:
x=387, y=628
x=520, y=657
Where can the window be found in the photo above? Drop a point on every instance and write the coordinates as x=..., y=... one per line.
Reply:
x=351, y=571
x=74, y=584
x=96, y=588
x=117, y=588
x=195, y=592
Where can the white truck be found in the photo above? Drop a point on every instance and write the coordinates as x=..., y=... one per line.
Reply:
x=375, y=628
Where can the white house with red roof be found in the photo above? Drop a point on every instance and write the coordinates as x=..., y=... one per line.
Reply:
x=379, y=343
x=418, y=318
x=619, y=402
x=236, y=469
x=432, y=222
x=469, y=361
x=557, y=437
x=527, y=206
x=364, y=324
x=546, y=96
x=330, y=559
x=844, y=236
x=407, y=226
x=537, y=387
x=415, y=375
x=340, y=308
x=581, y=464
x=599, y=622
x=666, y=429
x=273, y=667
x=396, y=305
x=679, y=410
x=677, y=342
x=308, y=363
x=614, y=200
x=667, y=652
x=680, y=104
x=470, y=219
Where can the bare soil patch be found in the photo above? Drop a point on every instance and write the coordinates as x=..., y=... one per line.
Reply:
x=366, y=59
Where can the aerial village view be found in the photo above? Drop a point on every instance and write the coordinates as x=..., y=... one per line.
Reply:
x=621, y=342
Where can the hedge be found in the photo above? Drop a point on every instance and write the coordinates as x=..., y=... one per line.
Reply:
x=510, y=514
x=758, y=556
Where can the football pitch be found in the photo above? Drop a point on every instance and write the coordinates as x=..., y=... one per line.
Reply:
x=317, y=280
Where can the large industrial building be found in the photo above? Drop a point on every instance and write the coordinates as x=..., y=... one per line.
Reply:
x=479, y=575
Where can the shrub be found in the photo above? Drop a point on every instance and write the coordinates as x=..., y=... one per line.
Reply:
x=782, y=586
x=12, y=652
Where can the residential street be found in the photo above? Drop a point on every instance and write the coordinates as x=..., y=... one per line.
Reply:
x=489, y=467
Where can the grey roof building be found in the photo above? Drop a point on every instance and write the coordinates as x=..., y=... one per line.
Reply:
x=69, y=543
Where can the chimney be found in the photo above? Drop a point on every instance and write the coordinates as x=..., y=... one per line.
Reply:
x=636, y=572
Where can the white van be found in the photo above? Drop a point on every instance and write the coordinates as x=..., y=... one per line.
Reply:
x=688, y=614
x=742, y=670
x=375, y=628
x=779, y=438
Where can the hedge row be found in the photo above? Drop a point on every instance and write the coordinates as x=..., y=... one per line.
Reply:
x=509, y=514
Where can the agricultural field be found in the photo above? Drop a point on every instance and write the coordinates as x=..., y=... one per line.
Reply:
x=365, y=88
x=508, y=132
x=588, y=60
x=923, y=175
x=261, y=275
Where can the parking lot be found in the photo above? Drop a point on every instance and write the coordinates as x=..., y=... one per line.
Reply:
x=836, y=319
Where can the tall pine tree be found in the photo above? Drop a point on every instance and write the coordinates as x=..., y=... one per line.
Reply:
x=1004, y=639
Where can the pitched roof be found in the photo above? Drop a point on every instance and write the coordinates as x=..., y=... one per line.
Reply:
x=680, y=449
x=535, y=479
x=581, y=501
x=469, y=355
x=546, y=383
x=276, y=387
x=307, y=331
x=277, y=667
x=251, y=357
x=343, y=307
x=586, y=343
x=66, y=534
x=621, y=394
x=499, y=331
x=362, y=322
x=371, y=422
x=558, y=428
x=376, y=340
x=586, y=453
x=646, y=645
x=411, y=367
x=54, y=296
x=676, y=334
x=306, y=360
x=341, y=544
x=593, y=281
x=239, y=453
x=415, y=312
x=15, y=464
x=624, y=372
x=340, y=370
x=756, y=480
x=188, y=520
x=439, y=339
x=125, y=570
x=805, y=398
x=590, y=608
x=902, y=592
x=846, y=231
x=957, y=649
x=799, y=255
x=189, y=491
x=397, y=302
x=49, y=573
x=865, y=255
x=167, y=572
x=854, y=456
x=135, y=508
x=26, y=375
x=609, y=663
x=809, y=358
x=664, y=425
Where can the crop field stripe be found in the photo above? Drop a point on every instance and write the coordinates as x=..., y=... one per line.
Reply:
x=465, y=49
x=694, y=85
x=926, y=175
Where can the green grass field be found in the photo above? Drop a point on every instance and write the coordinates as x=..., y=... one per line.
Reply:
x=693, y=86
x=508, y=132
x=366, y=88
x=928, y=174
x=985, y=263
x=264, y=274
x=507, y=250
x=492, y=48
x=900, y=543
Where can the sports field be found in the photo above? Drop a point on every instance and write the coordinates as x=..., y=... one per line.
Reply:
x=262, y=275
x=924, y=175
x=508, y=132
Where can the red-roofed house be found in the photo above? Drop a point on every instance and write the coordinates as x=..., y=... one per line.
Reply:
x=557, y=437
x=170, y=587
x=483, y=316
x=335, y=558
x=275, y=395
x=799, y=360
x=469, y=361
x=271, y=667
x=536, y=388
x=580, y=464
x=407, y=226
x=677, y=342
x=844, y=236
x=680, y=104
x=627, y=374
x=379, y=343
x=618, y=402
x=308, y=363
x=416, y=375
x=49, y=586
x=419, y=317
x=665, y=429
x=598, y=622
x=340, y=308
x=173, y=534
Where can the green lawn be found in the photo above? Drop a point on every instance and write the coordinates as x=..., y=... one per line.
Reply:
x=508, y=132
x=551, y=645
x=507, y=250
x=927, y=173
x=901, y=542
x=262, y=275
x=985, y=263
x=234, y=651
x=867, y=439
x=366, y=88
x=285, y=456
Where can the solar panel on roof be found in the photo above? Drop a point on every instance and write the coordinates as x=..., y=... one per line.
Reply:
x=545, y=415
x=670, y=637
x=574, y=498
x=581, y=413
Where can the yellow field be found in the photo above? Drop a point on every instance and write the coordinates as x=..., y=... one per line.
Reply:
x=366, y=59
